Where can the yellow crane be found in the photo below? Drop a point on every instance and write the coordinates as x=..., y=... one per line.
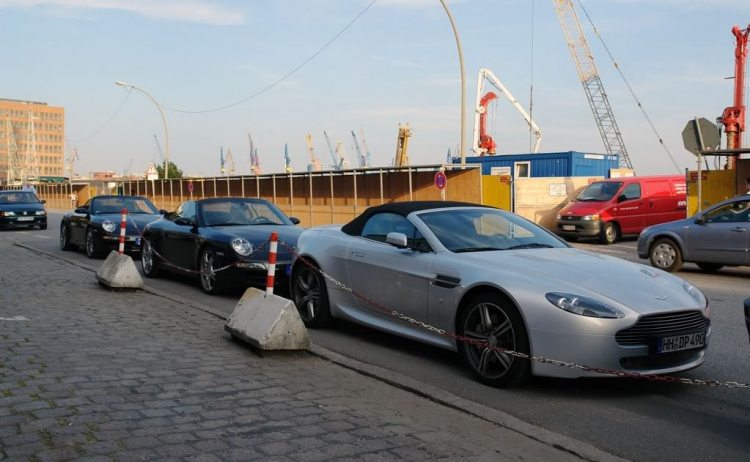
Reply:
x=402, y=145
x=314, y=161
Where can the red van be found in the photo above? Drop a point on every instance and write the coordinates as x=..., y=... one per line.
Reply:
x=611, y=208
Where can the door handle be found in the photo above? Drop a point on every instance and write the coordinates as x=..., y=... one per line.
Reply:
x=739, y=230
x=358, y=254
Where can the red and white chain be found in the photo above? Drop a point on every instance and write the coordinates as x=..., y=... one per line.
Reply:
x=541, y=359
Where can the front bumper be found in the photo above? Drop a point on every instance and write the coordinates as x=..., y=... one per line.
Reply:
x=580, y=228
x=112, y=242
x=255, y=274
x=604, y=352
x=20, y=222
x=644, y=242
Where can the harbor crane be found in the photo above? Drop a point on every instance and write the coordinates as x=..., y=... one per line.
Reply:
x=72, y=157
x=332, y=152
x=483, y=142
x=314, y=165
x=227, y=162
x=733, y=118
x=449, y=157
x=254, y=159
x=11, y=148
x=343, y=162
x=362, y=160
x=367, y=150
x=592, y=84
x=287, y=159
x=402, y=145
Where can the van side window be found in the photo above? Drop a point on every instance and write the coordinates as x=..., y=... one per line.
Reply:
x=632, y=191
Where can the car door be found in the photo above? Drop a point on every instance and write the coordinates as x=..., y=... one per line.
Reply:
x=720, y=235
x=662, y=202
x=178, y=240
x=78, y=222
x=396, y=278
x=631, y=209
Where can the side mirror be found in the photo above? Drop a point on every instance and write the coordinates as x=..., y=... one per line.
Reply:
x=294, y=220
x=396, y=240
x=182, y=221
x=622, y=198
x=43, y=201
x=701, y=220
x=81, y=210
x=163, y=212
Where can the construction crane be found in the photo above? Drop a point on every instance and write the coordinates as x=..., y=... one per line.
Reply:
x=483, y=142
x=30, y=169
x=343, y=162
x=360, y=158
x=368, y=163
x=592, y=84
x=334, y=158
x=287, y=159
x=72, y=157
x=733, y=118
x=158, y=148
x=449, y=157
x=127, y=169
x=314, y=165
x=402, y=145
x=14, y=162
x=227, y=162
x=255, y=163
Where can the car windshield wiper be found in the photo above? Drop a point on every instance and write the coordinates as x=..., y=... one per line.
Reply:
x=533, y=245
x=476, y=249
x=225, y=224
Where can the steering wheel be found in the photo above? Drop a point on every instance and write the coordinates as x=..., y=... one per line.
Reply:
x=260, y=220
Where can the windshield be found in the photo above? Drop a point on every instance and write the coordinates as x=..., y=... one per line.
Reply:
x=599, y=192
x=479, y=230
x=18, y=198
x=239, y=212
x=116, y=204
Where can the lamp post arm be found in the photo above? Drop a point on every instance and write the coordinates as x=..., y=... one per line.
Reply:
x=463, y=83
x=166, y=129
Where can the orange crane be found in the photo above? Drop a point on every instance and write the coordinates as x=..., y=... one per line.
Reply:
x=733, y=118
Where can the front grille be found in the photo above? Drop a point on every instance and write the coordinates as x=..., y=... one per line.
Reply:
x=665, y=361
x=662, y=325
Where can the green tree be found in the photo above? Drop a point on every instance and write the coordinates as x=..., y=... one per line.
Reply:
x=174, y=171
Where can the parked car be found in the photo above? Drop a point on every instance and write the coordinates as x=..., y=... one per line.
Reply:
x=208, y=234
x=21, y=209
x=747, y=315
x=501, y=280
x=612, y=208
x=717, y=237
x=95, y=226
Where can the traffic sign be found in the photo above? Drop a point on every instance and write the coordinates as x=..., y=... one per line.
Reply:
x=441, y=181
x=708, y=131
x=190, y=186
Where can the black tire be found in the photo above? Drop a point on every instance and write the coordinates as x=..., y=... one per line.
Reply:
x=666, y=255
x=610, y=233
x=506, y=330
x=210, y=282
x=42, y=227
x=710, y=267
x=93, y=246
x=310, y=296
x=65, y=237
x=149, y=261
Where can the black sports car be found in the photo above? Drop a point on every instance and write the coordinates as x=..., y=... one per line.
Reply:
x=21, y=209
x=747, y=315
x=95, y=225
x=203, y=236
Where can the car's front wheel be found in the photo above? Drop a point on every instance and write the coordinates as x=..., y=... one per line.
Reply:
x=210, y=282
x=665, y=254
x=151, y=267
x=491, y=323
x=65, y=237
x=93, y=246
x=310, y=296
x=610, y=233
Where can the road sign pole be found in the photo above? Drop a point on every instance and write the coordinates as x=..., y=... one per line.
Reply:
x=700, y=162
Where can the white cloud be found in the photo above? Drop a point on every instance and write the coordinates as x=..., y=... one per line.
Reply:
x=198, y=11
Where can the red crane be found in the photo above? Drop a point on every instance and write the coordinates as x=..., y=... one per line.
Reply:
x=485, y=140
x=733, y=118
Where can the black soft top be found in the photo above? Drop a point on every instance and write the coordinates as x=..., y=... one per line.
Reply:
x=355, y=227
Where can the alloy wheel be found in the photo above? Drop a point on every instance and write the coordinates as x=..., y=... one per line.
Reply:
x=63, y=237
x=90, y=243
x=147, y=258
x=307, y=290
x=489, y=326
x=208, y=276
x=664, y=255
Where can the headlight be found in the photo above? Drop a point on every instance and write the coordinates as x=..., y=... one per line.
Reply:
x=108, y=226
x=559, y=216
x=8, y=214
x=241, y=246
x=41, y=212
x=583, y=305
x=591, y=217
x=696, y=294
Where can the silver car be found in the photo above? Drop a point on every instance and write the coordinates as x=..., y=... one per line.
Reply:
x=501, y=281
x=717, y=237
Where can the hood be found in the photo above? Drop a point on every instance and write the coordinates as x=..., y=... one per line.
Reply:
x=638, y=287
x=20, y=207
x=140, y=219
x=580, y=209
x=257, y=235
x=672, y=225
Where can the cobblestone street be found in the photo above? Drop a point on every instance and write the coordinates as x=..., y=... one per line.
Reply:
x=90, y=375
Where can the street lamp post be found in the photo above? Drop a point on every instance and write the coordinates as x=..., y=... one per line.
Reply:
x=463, y=83
x=163, y=119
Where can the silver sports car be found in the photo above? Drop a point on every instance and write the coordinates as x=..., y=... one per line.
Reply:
x=502, y=281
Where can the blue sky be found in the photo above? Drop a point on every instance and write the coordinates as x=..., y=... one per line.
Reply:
x=398, y=63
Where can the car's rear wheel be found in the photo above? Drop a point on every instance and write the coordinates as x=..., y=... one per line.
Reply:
x=93, y=247
x=610, y=233
x=311, y=297
x=149, y=263
x=65, y=237
x=710, y=267
x=210, y=282
x=665, y=254
x=494, y=323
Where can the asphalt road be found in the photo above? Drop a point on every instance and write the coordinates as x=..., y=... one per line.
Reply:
x=638, y=420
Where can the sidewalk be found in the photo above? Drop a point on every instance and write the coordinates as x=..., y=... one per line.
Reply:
x=90, y=375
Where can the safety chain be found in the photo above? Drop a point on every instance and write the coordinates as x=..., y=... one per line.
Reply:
x=190, y=271
x=494, y=348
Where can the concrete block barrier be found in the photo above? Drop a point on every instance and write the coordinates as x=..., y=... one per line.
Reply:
x=118, y=272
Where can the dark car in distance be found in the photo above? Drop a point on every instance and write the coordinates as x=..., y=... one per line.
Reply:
x=95, y=226
x=21, y=209
x=203, y=236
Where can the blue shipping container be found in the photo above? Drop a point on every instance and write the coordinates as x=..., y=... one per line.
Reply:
x=550, y=164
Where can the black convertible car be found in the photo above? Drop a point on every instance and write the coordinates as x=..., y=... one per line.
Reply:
x=95, y=225
x=21, y=209
x=206, y=235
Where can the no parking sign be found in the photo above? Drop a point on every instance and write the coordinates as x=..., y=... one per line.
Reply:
x=441, y=182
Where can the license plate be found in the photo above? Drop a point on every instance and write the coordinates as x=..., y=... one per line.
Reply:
x=569, y=227
x=25, y=218
x=681, y=342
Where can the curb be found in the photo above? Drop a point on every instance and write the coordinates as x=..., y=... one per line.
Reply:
x=561, y=442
